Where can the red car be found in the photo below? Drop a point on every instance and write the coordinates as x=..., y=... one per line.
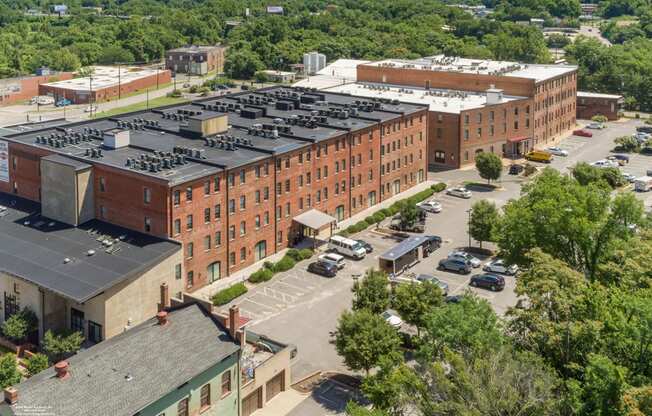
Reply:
x=583, y=133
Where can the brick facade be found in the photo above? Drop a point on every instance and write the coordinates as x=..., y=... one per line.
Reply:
x=589, y=106
x=13, y=90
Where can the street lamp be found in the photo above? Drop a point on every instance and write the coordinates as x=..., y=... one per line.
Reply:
x=469, y=211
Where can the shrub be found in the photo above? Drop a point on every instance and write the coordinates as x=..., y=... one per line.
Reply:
x=174, y=94
x=9, y=374
x=305, y=253
x=227, y=295
x=438, y=187
x=261, y=275
x=294, y=254
x=285, y=264
x=36, y=363
x=386, y=212
x=370, y=220
x=626, y=144
x=18, y=327
x=378, y=217
x=529, y=169
x=268, y=265
x=60, y=346
x=599, y=118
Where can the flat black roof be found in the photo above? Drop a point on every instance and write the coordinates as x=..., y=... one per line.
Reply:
x=55, y=256
x=77, y=165
x=299, y=117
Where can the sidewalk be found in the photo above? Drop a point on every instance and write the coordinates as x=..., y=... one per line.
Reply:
x=283, y=403
x=240, y=276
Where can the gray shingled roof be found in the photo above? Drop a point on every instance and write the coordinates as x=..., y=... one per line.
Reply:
x=159, y=359
x=34, y=248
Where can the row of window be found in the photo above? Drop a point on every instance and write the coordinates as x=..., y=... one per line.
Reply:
x=183, y=406
x=478, y=118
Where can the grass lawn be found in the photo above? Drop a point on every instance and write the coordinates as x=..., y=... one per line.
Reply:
x=155, y=102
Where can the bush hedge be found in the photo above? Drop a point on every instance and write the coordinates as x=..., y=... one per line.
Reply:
x=438, y=187
x=227, y=295
x=261, y=275
x=285, y=264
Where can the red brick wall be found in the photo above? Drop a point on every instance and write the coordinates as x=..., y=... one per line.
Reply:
x=29, y=86
x=446, y=80
x=554, y=108
x=443, y=139
x=27, y=172
x=588, y=107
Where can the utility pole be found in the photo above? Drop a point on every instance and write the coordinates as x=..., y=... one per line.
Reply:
x=119, y=87
x=469, y=211
x=90, y=99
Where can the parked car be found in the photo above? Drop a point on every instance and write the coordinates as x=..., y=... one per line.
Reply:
x=332, y=259
x=432, y=279
x=463, y=255
x=367, y=247
x=629, y=177
x=643, y=184
x=605, y=163
x=583, y=133
x=90, y=109
x=515, y=169
x=596, y=126
x=453, y=299
x=391, y=317
x=63, y=102
x=539, y=156
x=346, y=247
x=459, y=192
x=557, y=151
x=641, y=137
x=430, y=206
x=499, y=266
x=455, y=265
x=644, y=129
x=490, y=281
x=322, y=269
x=619, y=158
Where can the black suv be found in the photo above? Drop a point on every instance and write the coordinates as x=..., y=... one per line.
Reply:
x=322, y=269
x=488, y=281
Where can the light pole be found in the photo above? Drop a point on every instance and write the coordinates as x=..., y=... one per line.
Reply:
x=90, y=99
x=469, y=211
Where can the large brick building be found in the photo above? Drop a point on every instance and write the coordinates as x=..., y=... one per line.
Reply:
x=591, y=104
x=524, y=106
x=196, y=60
x=226, y=177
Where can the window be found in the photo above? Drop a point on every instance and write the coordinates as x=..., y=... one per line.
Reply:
x=231, y=232
x=190, y=250
x=216, y=184
x=257, y=221
x=279, y=237
x=287, y=185
x=325, y=171
x=242, y=176
x=102, y=184
x=257, y=196
x=371, y=154
x=207, y=242
x=325, y=193
x=218, y=238
x=226, y=383
x=243, y=202
x=466, y=119
x=231, y=206
x=439, y=132
x=243, y=228
x=287, y=163
x=300, y=204
x=308, y=178
x=232, y=258
x=491, y=116
x=147, y=195
x=207, y=188
x=205, y=396
x=266, y=193
x=479, y=131
x=371, y=174
x=76, y=320
x=190, y=280
x=266, y=169
x=266, y=218
x=148, y=224
x=515, y=111
x=287, y=209
x=300, y=181
x=182, y=408
x=177, y=271
x=318, y=173
x=300, y=157
x=278, y=164
x=243, y=254
x=337, y=166
x=279, y=188
x=189, y=194
x=189, y=222
x=516, y=125
x=177, y=226
x=257, y=171
x=207, y=215
x=466, y=134
x=176, y=197
x=218, y=211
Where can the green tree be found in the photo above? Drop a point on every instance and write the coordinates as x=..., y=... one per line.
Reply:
x=113, y=54
x=362, y=338
x=242, y=64
x=19, y=325
x=468, y=327
x=409, y=213
x=372, y=293
x=604, y=387
x=389, y=389
x=484, y=220
x=586, y=174
x=9, y=374
x=489, y=166
x=414, y=301
x=36, y=363
x=626, y=144
x=354, y=409
x=59, y=346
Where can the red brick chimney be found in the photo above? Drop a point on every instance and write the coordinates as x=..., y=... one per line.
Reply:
x=11, y=395
x=165, y=297
x=62, y=369
x=234, y=320
x=162, y=318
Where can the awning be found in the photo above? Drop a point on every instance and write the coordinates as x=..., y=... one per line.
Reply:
x=404, y=247
x=314, y=219
x=517, y=139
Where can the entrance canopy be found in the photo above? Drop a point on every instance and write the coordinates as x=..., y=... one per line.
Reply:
x=314, y=219
x=517, y=139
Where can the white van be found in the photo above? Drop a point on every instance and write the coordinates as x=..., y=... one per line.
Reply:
x=347, y=247
x=332, y=259
x=643, y=184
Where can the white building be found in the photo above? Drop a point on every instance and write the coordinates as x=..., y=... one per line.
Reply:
x=313, y=62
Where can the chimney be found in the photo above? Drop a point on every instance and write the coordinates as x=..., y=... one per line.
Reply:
x=62, y=369
x=11, y=395
x=234, y=320
x=162, y=318
x=165, y=297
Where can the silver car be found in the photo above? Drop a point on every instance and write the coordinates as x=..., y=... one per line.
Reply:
x=499, y=266
x=459, y=192
x=464, y=256
x=432, y=279
x=430, y=206
x=557, y=151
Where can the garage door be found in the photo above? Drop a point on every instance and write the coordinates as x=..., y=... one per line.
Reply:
x=275, y=385
x=252, y=402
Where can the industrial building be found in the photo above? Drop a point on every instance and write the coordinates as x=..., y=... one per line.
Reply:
x=479, y=105
x=196, y=60
x=106, y=83
x=234, y=178
x=591, y=104
x=15, y=90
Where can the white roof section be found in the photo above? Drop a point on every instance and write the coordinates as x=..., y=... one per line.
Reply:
x=103, y=77
x=439, y=100
x=314, y=219
x=586, y=94
x=340, y=72
x=442, y=63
